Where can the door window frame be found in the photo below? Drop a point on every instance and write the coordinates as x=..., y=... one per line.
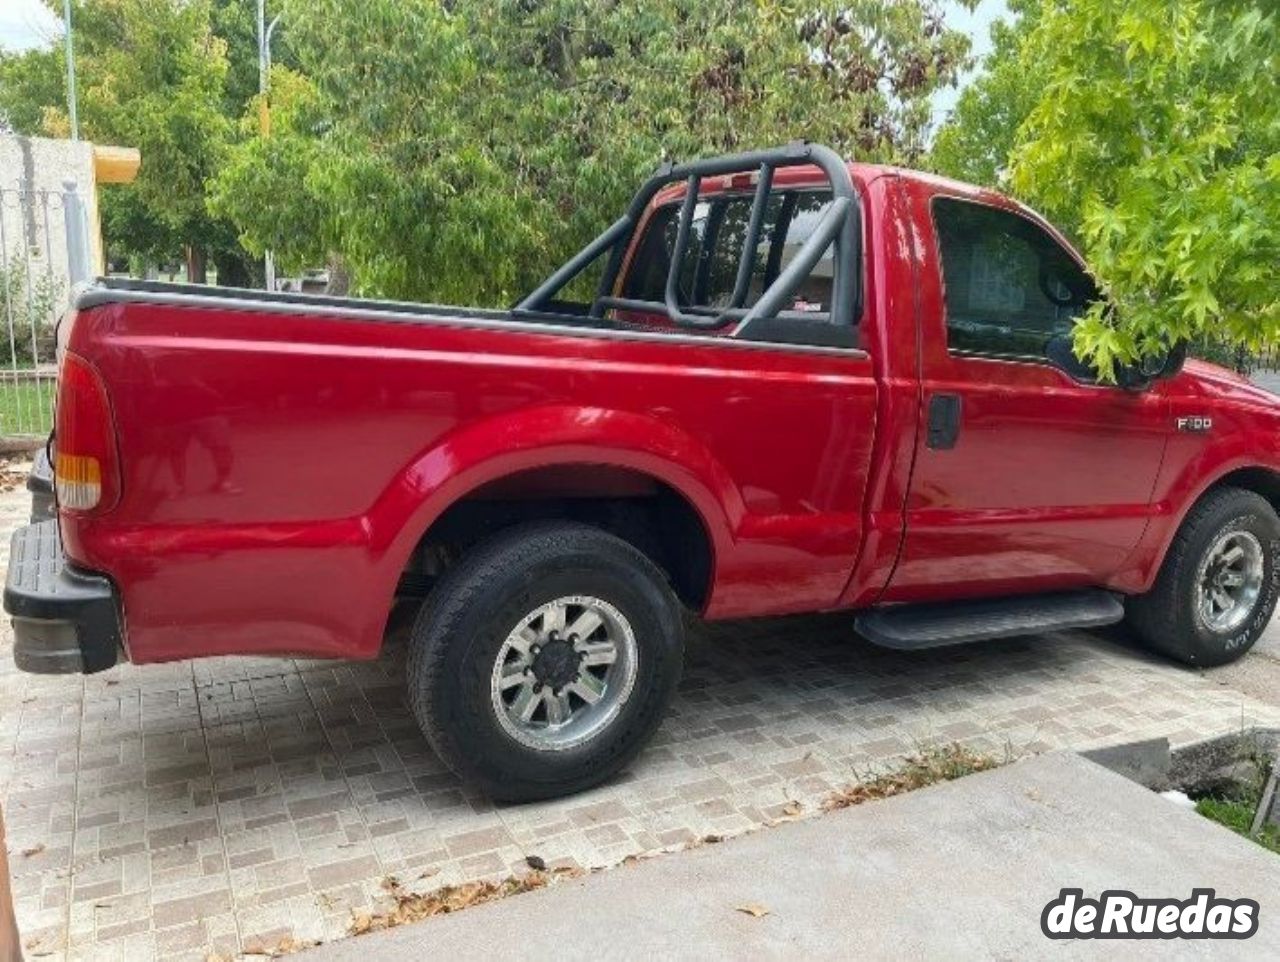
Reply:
x=1040, y=360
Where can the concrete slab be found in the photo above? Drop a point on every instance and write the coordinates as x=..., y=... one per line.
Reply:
x=961, y=870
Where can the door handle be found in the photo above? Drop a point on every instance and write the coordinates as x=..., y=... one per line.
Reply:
x=944, y=421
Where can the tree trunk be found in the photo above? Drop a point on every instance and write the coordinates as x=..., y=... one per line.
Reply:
x=339, y=277
x=196, y=270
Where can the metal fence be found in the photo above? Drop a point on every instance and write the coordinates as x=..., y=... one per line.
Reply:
x=43, y=254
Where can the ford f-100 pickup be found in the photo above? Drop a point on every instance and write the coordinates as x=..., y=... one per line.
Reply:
x=799, y=385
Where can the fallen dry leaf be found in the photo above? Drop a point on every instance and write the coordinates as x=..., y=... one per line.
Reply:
x=753, y=909
x=287, y=945
x=409, y=907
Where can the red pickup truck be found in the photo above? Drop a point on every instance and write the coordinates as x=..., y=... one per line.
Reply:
x=795, y=384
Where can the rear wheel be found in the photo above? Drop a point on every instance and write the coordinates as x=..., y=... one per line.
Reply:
x=543, y=662
x=1217, y=588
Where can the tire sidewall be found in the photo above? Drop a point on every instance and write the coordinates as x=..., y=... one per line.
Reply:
x=1218, y=647
x=464, y=712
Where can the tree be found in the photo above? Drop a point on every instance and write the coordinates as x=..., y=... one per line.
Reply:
x=276, y=188
x=29, y=82
x=152, y=74
x=459, y=151
x=1156, y=129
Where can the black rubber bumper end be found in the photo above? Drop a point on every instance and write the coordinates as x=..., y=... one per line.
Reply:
x=40, y=484
x=65, y=621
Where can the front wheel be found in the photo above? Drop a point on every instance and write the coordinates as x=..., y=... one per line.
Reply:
x=543, y=662
x=1217, y=588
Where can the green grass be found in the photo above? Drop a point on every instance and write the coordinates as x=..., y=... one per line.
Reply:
x=26, y=408
x=1238, y=816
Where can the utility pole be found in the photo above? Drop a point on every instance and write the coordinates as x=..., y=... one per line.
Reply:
x=264, y=114
x=71, y=73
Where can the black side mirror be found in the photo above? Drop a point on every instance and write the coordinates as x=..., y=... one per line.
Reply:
x=1131, y=377
x=1167, y=364
x=1152, y=367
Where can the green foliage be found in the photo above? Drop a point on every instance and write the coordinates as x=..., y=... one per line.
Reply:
x=1156, y=130
x=274, y=186
x=975, y=143
x=1237, y=815
x=459, y=151
x=31, y=299
x=152, y=74
x=30, y=82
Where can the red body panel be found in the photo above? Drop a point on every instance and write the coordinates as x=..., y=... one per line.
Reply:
x=279, y=468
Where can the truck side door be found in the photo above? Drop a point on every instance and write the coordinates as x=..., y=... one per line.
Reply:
x=1027, y=478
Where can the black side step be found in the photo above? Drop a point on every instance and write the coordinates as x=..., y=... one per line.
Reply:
x=959, y=622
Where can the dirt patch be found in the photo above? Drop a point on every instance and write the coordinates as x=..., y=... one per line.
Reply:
x=408, y=907
x=14, y=469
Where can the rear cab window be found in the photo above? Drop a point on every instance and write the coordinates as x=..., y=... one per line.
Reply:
x=710, y=266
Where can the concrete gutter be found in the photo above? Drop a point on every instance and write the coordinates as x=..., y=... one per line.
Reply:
x=961, y=870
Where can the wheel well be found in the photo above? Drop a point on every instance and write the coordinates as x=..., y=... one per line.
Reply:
x=634, y=506
x=1261, y=481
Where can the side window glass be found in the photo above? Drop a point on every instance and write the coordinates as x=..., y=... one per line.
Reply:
x=1009, y=287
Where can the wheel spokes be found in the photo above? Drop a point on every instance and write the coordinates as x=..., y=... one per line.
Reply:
x=598, y=653
x=587, y=687
x=553, y=619
x=558, y=708
x=516, y=673
x=563, y=672
x=585, y=625
x=526, y=703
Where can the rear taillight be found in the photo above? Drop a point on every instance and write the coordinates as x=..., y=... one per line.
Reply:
x=86, y=469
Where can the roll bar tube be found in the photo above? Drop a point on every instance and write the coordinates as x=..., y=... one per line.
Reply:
x=838, y=226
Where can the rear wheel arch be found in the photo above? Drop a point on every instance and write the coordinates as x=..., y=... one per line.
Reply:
x=659, y=519
x=513, y=443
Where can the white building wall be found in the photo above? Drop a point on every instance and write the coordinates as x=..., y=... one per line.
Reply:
x=33, y=173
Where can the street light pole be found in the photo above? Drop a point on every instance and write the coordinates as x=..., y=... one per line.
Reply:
x=264, y=79
x=71, y=73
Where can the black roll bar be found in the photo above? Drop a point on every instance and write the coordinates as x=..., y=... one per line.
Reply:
x=838, y=226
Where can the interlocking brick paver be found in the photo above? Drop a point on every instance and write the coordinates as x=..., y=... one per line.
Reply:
x=216, y=807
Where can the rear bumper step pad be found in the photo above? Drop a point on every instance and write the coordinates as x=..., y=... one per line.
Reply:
x=65, y=621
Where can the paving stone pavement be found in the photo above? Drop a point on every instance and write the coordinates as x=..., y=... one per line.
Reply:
x=208, y=808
